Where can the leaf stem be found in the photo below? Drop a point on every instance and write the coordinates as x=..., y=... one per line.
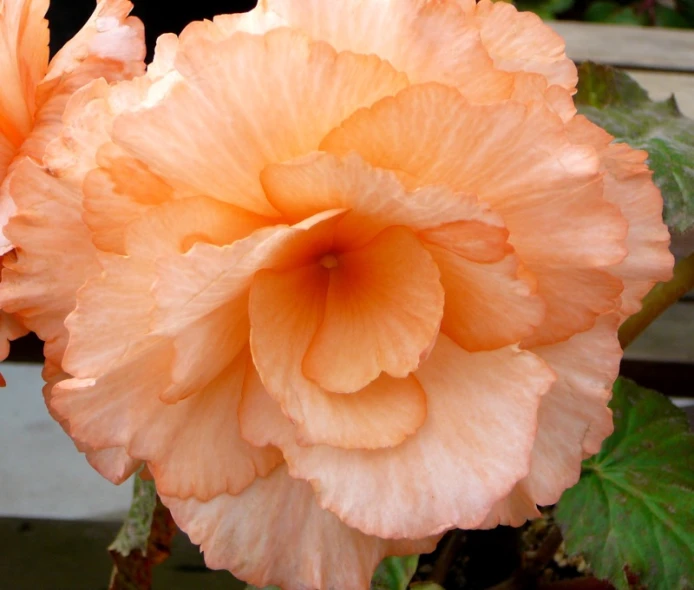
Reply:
x=662, y=296
x=447, y=556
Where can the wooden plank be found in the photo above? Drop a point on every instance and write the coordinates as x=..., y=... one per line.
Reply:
x=632, y=47
x=668, y=338
x=660, y=85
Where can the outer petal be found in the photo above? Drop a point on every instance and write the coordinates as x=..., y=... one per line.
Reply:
x=475, y=445
x=275, y=533
x=10, y=329
x=114, y=464
x=286, y=309
x=573, y=419
x=222, y=100
x=519, y=160
x=56, y=255
x=23, y=63
x=629, y=185
x=521, y=41
x=429, y=41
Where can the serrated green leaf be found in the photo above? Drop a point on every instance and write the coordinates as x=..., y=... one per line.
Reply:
x=394, y=573
x=426, y=586
x=634, y=504
x=613, y=100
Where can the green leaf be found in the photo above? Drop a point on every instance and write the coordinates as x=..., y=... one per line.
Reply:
x=613, y=100
x=633, y=508
x=394, y=573
x=425, y=586
x=668, y=17
x=606, y=11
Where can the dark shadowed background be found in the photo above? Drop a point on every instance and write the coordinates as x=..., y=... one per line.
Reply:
x=159, y=16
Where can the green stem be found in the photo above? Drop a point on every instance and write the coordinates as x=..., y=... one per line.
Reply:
x=662, y=296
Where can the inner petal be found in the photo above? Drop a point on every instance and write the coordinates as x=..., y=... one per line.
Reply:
x=383, y=309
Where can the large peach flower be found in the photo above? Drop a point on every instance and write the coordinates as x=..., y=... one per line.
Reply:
x=347, y=273
x=34, y=93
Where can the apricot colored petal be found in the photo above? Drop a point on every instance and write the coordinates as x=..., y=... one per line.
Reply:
x=488, y=305
x=383, y=308
x=55, y=255
x=629, y=185
x=121, y=408
x=192, y=285
x=521, y=41
x=429, y=41
x=574, y=299
x=111, y=46
x=113, y=464
x=517, y=158
x=110, y=40
x=475, y=443
x=573, y=419
x=247, y=535
x=23, y=63
x=10, y=329
x=286, y=308
x=223, y=100
x=376, y=198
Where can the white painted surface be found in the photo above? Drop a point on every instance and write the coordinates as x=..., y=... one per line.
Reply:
x=41, y=473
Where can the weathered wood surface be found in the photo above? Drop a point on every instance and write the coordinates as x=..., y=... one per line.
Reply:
x=631, y=47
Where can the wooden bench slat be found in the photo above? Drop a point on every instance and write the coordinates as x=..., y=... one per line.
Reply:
x=633, y=47
x=660, y=85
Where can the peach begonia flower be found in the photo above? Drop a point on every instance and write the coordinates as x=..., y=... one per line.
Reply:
x=34, y=93
x=348, y=275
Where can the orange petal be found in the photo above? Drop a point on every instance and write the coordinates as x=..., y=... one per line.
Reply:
x=475, y=294
x=429, y=41
x=383, y=308
x=573, y=419
x=376, y=198
x=54, y=259
x=113, y=464
x=10, y=329
x=574, y=299
x=287, y=307
x=23, y=63
x=475, y=445
x=121, y=408
x=314, y=89
x=521, y=41
x=629, y=185
x=519, y=160
x=247, y=534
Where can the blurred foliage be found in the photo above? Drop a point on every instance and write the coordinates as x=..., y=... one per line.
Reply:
x=659, y=13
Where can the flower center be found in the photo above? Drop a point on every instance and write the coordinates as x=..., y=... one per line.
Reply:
x=328, y=261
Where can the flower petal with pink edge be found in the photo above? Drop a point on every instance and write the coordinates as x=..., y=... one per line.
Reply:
x=286, y=309
x=103, y=412
x=521, y=41
x=222, y=100
x=113, y=464
x=475, y=292
x=429, y=41
x=573, y=419
x=247, y=535
x=475, y=445
x=629, y=185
